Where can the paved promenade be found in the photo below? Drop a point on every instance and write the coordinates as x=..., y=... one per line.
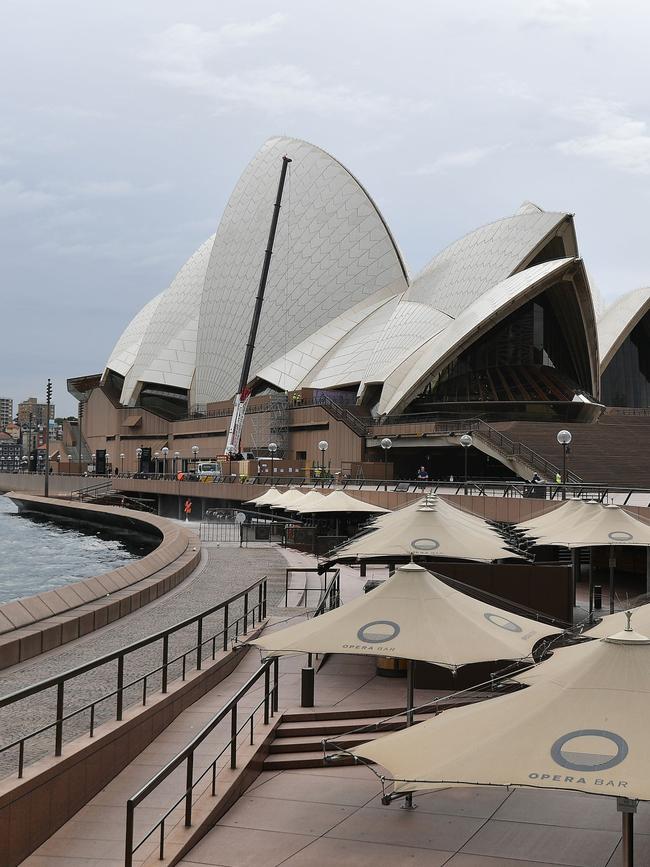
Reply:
x=223, y=572
x=95, y=836
x=319, y=817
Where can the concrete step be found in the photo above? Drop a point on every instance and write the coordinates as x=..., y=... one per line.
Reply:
x=312, y=743
x=325, y=728
x=299, y=716
x=292, y=761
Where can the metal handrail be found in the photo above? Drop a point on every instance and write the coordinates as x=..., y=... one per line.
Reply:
x=331, y=597
x=259, y=607
x=317, y=570
x=580, y=487
x=270, y=704
x=91, y=491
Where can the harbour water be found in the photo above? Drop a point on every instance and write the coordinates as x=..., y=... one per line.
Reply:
x=38, y=555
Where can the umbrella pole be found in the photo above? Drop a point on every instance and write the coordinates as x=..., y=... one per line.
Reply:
x=591, y=578
x=575, y=568
x=627, y=809
x=612, y=564
x=410, y=704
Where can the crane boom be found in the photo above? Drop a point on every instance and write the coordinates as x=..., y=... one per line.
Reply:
x=243, y=394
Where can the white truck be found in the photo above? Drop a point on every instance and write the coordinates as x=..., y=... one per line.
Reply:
x=209, y=471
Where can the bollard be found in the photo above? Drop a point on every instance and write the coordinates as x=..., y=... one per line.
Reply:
x=598, y=596
x=307, y=687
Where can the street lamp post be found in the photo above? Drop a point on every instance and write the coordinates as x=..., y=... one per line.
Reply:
x=195, y=453
x=273, y=447
x=107, y=470
x=48, y=401
x=386, y=443
x=323, y=446
x=69, y=464
x=138, y=454
x=81, y=415
x=564, y=438
x=466, y=442
x=122, y=456
x=165, y=452
x=175, y=462
x=156, y=457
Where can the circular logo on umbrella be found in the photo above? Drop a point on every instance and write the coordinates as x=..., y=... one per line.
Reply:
x=589, y=750
x=378, y=631
x=502, y=622
x=425, y=544
x=620, y=536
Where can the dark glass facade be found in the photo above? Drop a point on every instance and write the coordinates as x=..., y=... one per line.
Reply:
x=537, y=354
x=626, y=380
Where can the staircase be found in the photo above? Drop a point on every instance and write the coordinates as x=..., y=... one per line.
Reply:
x=340, y=413
x=299, y=738
x=614, y=451
x=519, y=454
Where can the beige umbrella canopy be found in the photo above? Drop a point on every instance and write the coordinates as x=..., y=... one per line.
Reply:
x=288, y=499
x=559, y=520
x=313, y=498
x=610, y=525
x=414, y=615
x=338, y=501
x=431, y=501
x=437, y=529
x=615, y=622
x=269, y=498
x=581, y=728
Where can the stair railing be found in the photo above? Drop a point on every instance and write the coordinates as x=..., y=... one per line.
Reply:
x=249, y=606
x=269, y=702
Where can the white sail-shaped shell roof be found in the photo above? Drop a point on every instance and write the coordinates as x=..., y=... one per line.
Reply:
x=618, y=320
x=167, y=352
x=339, y=310
x=126, y=349
x=332, y=251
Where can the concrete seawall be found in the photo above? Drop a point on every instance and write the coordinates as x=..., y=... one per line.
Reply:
x=39, y=623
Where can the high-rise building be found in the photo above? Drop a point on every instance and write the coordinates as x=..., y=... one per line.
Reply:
x=32, y=410
x=6, y=411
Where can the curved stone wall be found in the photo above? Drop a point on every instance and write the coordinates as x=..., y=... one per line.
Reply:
x=39, y=623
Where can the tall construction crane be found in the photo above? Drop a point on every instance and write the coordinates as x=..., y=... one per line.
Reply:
x=243, y=393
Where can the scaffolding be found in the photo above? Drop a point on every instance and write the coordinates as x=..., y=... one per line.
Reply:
x=279, y=427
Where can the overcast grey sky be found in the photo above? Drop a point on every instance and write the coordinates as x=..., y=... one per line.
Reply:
x=125, y=125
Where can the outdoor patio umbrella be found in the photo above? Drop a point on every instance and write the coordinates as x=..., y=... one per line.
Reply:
x=312, y=498
x=568, y=514
x=431, y=501
x=288, y=498
x=268, y=498
x=436, y=529
x=413, y=615
x=605, y=526
x=583, y=728
x=338, y=501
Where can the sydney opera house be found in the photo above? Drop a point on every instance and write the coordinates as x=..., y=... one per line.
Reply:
x=502, y=329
